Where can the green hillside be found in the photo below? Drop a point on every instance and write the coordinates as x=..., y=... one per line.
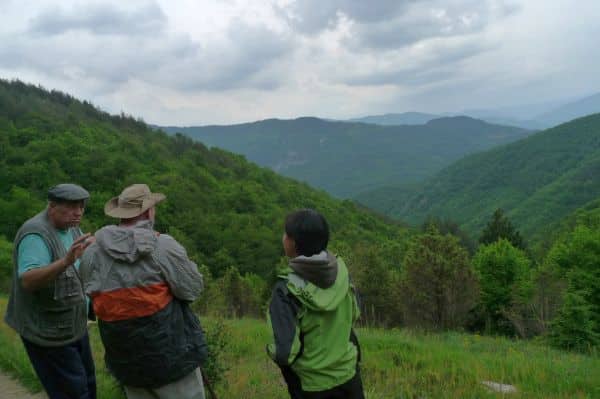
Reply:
x=537, y=181
x=347, y=158
x=225, y=210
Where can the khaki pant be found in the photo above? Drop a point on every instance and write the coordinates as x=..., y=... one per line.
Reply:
x=188, y=387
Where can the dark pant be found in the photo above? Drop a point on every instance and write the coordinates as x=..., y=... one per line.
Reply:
x=66, y=372
x=351, y=389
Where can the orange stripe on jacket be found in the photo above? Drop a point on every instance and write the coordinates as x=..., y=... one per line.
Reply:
x=129, y=303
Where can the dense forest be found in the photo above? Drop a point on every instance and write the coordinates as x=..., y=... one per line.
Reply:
x=228, y=213
x=347, y=158
x=538, y=181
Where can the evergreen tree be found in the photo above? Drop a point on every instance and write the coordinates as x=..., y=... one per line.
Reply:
x=501, y=227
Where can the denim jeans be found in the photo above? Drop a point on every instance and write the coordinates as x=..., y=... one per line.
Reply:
x=66, y=372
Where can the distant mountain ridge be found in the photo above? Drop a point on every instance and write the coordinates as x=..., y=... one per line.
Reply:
x=529, y=116
x=536, y=180
x=404, y=118
x=346, y=158
x=576, y=109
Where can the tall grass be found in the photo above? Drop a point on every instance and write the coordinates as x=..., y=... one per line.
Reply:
x=396, y=364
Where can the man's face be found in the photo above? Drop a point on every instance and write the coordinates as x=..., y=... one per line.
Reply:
x=65, y=214
x=289, y=246
x=152, y=214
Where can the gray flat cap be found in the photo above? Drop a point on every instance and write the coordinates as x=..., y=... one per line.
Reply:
x=68, y=192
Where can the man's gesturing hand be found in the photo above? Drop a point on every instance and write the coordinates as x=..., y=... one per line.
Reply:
x=77, y=248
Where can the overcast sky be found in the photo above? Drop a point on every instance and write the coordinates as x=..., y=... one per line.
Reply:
x=185, y=62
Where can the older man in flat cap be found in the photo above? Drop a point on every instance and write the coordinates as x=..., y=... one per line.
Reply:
x=140, y=283
x=47, y=305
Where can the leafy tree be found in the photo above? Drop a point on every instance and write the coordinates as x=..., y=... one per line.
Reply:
x=18, y=206
x=439, y=286
x=536, y=301
x=234, y=295
x=575, y=260
x=375, y=278
x=503, y=271
x=500, y=227
x=574, y=327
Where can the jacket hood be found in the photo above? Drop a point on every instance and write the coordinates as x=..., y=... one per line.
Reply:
x=128, y=243
x=320, y=269
x=302, y=276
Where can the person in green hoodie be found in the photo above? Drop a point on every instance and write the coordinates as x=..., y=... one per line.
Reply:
x=313, y=307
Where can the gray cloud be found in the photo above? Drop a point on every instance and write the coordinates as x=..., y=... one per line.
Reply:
x=440, y=64
x=244, y=62
x=389, y=24
x=313, y=16
x=234, y=60
x=419, y=25
x=409, y=77
x=112, y=46
x=100, y=19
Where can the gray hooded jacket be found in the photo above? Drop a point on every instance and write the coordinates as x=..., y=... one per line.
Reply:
x=141, y=283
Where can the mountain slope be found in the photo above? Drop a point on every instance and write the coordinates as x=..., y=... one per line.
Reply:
x=348, y=158
x=537, y=180
x=225, y=210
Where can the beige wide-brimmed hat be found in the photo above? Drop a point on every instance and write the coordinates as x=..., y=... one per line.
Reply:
x=133, y=201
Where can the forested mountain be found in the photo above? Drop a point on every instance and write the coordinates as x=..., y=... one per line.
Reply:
x=348, y=158
x=537, y=181
x=404, y=118
x=225, y=210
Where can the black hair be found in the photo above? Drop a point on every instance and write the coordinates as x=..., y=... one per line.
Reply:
x=309, y=230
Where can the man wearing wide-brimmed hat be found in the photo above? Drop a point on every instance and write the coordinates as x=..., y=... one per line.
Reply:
x=140, y=283
x=47, y=306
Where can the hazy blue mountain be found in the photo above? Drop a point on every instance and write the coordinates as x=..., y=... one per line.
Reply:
x=346, y=158
x=530, y=124
x=405, y=118
x=537, y=180
x=518, y=112
x=537, y=116
x=540, y=115
x=576, y=109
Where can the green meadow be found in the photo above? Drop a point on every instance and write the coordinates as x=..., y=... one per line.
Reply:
x=396, y=364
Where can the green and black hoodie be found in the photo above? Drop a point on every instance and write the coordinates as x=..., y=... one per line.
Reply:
x=312, y=310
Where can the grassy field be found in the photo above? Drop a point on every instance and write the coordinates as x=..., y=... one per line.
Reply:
x=397, y=364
